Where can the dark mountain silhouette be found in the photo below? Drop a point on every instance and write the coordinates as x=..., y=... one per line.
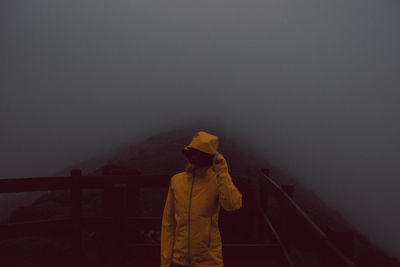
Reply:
x=161, y=154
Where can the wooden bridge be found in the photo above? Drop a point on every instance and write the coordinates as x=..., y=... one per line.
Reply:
x=269, y=230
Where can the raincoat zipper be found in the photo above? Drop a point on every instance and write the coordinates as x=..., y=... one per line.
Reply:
x=190, y=202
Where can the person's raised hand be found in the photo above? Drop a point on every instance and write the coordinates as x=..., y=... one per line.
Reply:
x=219, y=163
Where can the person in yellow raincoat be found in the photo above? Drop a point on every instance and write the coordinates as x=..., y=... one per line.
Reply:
x=189, y=233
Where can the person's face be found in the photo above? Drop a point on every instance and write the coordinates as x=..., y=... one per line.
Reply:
x=198, y=158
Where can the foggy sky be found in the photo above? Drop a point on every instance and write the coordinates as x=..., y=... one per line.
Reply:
x=313, y=85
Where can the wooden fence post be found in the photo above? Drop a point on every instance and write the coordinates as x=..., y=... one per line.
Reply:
x=115, y=207
x=264, y=196
x=133, y=199
x=76, y=210
x=107, y=241
x=120, y=225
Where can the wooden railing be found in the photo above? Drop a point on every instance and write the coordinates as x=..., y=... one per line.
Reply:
x=114, y=222
x=270, y=228
x=307, y=243
x=120, y=195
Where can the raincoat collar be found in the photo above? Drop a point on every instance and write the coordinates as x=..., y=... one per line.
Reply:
x=189, y=168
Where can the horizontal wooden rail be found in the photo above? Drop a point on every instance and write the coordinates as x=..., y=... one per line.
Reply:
x=9, y=230
x=231, y=252
x=34, y=184
x=43, y=227
x=85, y=182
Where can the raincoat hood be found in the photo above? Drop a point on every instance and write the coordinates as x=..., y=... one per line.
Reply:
x=204, y=142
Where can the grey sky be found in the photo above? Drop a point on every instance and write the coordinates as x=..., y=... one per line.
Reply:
x=313, y=85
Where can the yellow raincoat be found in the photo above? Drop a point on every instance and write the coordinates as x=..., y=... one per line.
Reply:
x=189, y=233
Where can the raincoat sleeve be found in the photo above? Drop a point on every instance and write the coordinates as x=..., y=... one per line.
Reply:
x=168, y=229
x=229, y=196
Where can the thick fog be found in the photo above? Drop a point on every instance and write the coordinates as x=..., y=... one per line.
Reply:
x=313, y=85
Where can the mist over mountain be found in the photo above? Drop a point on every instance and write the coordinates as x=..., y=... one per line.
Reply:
x=311, y=87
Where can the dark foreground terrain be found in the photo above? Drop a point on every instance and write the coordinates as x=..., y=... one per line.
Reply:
x=158, y=154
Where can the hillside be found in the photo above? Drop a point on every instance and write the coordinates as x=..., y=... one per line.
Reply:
x=161, y=154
